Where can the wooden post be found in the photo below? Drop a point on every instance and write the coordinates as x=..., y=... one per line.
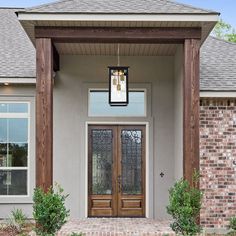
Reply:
x=191, y=108
x=44, y=113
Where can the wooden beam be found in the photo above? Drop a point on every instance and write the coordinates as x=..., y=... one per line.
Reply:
x=191, y=108
x=117, y=34
x=56, y=59
x=44, y=113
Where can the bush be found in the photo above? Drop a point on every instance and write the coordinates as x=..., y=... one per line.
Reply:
x=49, y=210
x=17, y=220
x=184, y=206
x=19, y=217
x=232, y=224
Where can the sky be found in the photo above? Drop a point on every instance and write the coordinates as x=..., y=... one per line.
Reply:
x=227, y=8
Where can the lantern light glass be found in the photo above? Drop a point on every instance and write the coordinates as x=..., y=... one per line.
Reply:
x=118, y=86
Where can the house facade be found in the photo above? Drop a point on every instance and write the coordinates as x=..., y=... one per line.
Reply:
x=57, y=124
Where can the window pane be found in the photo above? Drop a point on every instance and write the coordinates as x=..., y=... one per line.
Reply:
x=3, y=130
x=14, y=107
x=18, y=107
x=99, y=106
x=18, y=130
x=17, y=156
x=3, y=107
x=13, y=182
x=3, y=154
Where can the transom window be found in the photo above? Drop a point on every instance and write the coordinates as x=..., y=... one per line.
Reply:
x=99, y=106
x=14, y=148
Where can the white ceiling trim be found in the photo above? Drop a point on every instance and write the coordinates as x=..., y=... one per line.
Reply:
x=18, y=80
x=117, y=17
x=217, y=94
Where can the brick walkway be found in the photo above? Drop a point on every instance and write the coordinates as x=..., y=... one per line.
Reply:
x=117, y=227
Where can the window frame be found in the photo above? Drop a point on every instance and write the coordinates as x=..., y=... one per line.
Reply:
x=27, y=168
x=113, y=116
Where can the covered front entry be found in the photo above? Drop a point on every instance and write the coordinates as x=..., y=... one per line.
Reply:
x=116, y=171
x=73, y=55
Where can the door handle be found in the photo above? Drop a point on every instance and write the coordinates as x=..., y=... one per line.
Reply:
x=119, y=183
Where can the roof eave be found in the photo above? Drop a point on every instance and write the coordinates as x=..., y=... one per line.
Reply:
x=24, y=16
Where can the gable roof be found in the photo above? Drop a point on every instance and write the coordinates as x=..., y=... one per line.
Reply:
x=118, y=6
x=218, y=65
x=18, y=59
x=17, y=52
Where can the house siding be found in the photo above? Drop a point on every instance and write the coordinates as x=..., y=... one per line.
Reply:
x=217, y=161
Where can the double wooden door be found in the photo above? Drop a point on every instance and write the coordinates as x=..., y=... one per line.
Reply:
x=116, y=159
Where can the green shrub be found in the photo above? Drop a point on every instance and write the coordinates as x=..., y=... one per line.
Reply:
x=232, y=224
x=49, y=210
x=184, y=206
x=76, y=234
x=19, y=217
x=17, y=220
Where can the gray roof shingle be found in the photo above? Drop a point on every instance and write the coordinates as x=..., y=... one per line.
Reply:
x=218, y=65
x=17, y=56
x=118, y=6
x=17, y=53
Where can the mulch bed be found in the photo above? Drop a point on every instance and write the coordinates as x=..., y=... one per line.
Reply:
x=8, y=231
x=11, y=231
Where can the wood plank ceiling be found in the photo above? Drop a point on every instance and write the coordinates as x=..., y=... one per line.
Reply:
x=111, y=49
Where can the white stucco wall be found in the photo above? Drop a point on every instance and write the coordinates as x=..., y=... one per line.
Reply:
x=160, y=76
x=70, y=116
x=178, y=110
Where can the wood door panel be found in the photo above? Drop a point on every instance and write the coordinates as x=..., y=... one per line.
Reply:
x=132, y=206
x=125, y=197
x=131, y=203
x=99, y=212
x=131, y=168
x=102, y=197
x=101, y=205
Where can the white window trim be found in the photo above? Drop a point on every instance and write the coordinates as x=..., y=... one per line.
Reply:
x=19, y=115
x=130, y=89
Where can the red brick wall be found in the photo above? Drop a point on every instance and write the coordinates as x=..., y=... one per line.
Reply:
x=218, y=161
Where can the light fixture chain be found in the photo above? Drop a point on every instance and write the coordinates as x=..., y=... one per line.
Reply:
x=118, y=54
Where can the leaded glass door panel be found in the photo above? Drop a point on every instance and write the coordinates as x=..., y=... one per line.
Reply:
x=102, y=170
x=131, y=171
x=116, y=171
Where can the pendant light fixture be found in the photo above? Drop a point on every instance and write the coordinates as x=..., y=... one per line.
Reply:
x=118, y=83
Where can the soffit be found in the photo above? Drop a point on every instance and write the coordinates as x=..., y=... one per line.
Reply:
x=111, y=49
x=206, y=26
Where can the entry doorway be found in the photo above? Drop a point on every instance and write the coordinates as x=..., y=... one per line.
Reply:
x=116, y=170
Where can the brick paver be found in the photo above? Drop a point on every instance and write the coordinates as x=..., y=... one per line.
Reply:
x=117, y=227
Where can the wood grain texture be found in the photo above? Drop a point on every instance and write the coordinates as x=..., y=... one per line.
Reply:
x=117, y=204
x=191, y=108
x=44, y=114
x=94, y=200
x=118, y=34
x=123, y=210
